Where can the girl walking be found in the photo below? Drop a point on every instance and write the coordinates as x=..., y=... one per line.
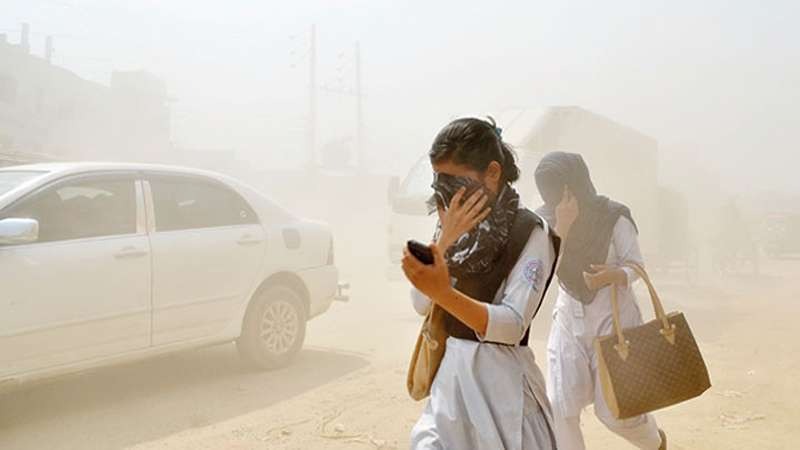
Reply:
x=599, y=236
x=493, y=260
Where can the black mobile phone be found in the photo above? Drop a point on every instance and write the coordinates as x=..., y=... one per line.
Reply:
x=420, y=251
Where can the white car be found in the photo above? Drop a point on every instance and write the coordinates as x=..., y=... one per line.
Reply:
x=104, y=263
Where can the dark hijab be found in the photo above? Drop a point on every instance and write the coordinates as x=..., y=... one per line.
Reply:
x=590, y=236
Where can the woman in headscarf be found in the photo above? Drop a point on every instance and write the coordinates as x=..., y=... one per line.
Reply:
x=492, y=262
x=599, y=236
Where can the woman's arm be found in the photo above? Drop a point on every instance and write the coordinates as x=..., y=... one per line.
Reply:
x=506, y=321
x=509, y=319
x=471, y=312
x=626, y=248
x=434, y=282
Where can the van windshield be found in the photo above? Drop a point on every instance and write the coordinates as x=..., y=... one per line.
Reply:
x=419, y=179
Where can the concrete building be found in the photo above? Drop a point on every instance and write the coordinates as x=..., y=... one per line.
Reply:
x=51, y=112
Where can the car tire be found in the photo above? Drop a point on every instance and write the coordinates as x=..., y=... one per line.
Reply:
x=274, y=328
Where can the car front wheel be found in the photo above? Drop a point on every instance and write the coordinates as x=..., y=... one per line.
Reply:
x=274, y=328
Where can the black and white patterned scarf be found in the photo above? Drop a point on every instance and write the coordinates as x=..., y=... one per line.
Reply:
x=475, y=251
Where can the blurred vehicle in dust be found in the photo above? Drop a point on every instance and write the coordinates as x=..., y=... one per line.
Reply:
x=104, y=263
x=781, y=235
x=734, y=246
x=678, y=247
x=624, y=164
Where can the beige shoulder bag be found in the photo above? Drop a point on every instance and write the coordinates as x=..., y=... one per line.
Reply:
x=428, y=354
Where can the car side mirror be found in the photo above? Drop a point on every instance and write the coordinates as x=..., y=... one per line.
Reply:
x=18, y=231
x=394, y=189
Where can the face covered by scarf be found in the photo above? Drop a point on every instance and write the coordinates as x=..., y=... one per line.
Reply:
x=590, y=235
x=475, y=251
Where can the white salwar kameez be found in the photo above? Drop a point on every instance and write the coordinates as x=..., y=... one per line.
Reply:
x=573, y=382
x=489, y=396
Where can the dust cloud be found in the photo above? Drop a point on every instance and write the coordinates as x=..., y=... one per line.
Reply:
x=685, y=111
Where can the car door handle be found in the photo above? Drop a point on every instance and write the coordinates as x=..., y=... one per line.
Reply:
x=130, y=252
x=249, y=240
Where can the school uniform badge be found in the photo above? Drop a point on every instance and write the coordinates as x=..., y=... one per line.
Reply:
x=533, y=271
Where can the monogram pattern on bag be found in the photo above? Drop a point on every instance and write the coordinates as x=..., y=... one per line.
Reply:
x=656, y=374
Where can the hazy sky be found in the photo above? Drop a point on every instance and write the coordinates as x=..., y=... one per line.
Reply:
x=716, y=82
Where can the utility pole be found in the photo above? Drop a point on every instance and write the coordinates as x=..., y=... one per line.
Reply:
x=25, y=38
x=359, y=117
x=48, y=49
x=357, y=92
x=312, y=99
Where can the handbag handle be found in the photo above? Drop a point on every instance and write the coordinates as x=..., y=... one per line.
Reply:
x=667, y=329
x=426, y=328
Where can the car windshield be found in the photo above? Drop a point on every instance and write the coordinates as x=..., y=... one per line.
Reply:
x=10, y=179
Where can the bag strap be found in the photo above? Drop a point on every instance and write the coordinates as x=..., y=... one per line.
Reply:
x=525, y=223
x=556, y=241
x=667, y=329
x=516, y=252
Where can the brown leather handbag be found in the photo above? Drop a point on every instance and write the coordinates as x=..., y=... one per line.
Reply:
x=428, y=354
x=651, y=366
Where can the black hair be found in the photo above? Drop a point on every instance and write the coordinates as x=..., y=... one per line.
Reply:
x=475, y=143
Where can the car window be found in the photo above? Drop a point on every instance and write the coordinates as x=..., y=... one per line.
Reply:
x=81, y=209
x=185, y=204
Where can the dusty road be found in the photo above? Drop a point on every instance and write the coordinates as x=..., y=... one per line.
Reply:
x=346, y=388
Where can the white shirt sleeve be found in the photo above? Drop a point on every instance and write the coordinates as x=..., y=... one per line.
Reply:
x=626, y=247
x=522, y=291
x=422, y=304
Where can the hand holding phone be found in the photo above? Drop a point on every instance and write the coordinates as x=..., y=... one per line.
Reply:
x=420, y=251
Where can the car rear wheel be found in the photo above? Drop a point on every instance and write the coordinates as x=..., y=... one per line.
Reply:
x=274, y=328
